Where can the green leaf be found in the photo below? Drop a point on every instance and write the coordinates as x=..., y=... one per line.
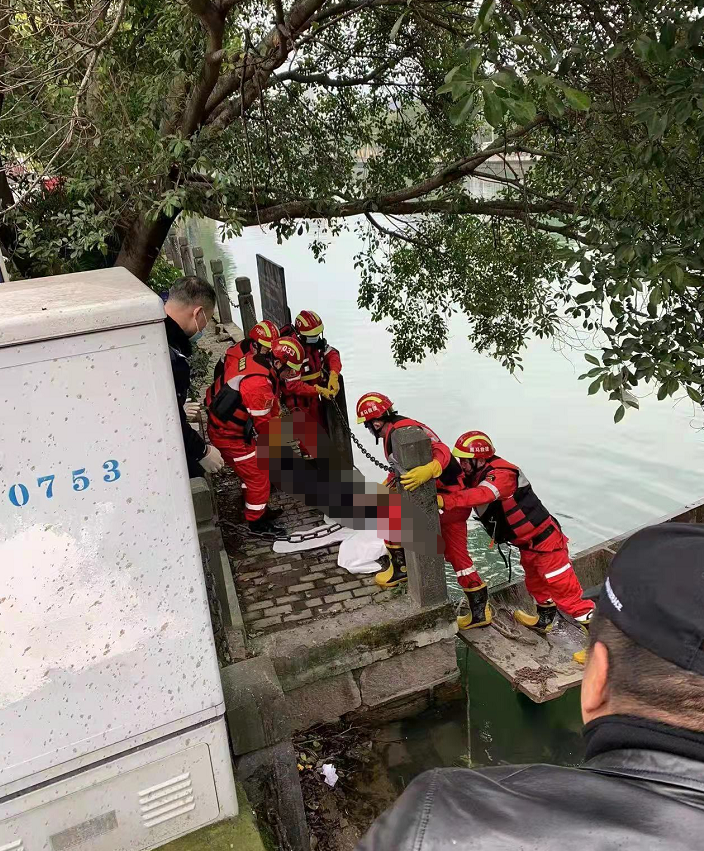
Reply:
x=592, y=359
x=662, y=392
x=594, y=387
x=667, y=36
x=694, y=395
x=397, y=26
x=656, y=124
x=694, y=36
x=697, y=349
x=522, y=110
x=553, y=105
x=506, y=79
x=614, y=52
x=577, y=100
x=461, y=110
x=486, y=12
x=620, y=413
x=683, y=110
x=522, y=40
x=494, y=109
x=475, y=60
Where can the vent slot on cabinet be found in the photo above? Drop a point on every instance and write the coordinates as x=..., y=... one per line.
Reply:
x=166, y=800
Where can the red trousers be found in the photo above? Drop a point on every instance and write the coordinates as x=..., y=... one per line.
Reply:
x=550, y=576
x=453, y=526
x=255, y=481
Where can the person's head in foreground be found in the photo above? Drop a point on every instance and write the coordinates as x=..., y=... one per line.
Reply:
x=642, y=784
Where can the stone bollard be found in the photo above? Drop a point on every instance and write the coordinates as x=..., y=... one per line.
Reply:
x=426, y=573
x=260, y=734
x=172, y=240
x=246, y=299
x=221, y=294
x=199, y=262
x=336, y=422
x=186, y=256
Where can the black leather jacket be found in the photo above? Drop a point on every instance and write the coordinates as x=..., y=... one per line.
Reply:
x=620, y=800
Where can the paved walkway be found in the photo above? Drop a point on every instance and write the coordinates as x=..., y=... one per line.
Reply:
x=278, y=591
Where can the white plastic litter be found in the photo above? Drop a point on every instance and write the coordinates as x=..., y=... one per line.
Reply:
x=360, y=550
x=329, y=773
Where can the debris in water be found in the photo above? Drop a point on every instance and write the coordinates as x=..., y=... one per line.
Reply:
x=329, y=773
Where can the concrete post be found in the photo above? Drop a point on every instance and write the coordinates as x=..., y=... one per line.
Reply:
x=224, y=310
x=339, y=435
x=172, y=240
x=246, y=300
x=186, y=256
x=426, y=573
x=168, y=252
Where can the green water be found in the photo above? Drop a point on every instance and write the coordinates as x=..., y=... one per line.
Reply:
x=600, y=479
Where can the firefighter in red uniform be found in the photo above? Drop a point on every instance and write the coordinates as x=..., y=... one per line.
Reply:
x=509, y=510
x=240, y=403
x=376, y=412
x=257, y=342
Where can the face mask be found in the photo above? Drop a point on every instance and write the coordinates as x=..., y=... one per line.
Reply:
x=199, y=333
x=312, y=341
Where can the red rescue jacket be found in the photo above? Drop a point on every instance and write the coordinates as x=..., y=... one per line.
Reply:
x=451, y=476
x=505, y=503
x=241, y=400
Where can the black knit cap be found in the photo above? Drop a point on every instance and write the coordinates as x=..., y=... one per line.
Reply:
x=654, y=592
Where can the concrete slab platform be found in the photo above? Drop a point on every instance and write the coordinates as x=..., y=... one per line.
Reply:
x=541, y=667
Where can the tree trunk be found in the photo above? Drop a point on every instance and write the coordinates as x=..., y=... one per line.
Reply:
x=142, y=244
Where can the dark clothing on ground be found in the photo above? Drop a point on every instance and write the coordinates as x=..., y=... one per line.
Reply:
x=642, y=789
x=180, y=350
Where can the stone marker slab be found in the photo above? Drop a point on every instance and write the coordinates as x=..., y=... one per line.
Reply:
x=324, y=702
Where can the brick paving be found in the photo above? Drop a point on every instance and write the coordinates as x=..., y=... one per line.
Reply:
x=278, y=591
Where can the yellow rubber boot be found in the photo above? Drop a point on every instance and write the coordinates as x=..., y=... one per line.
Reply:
x=580, y=657
x=541, y=622
x=479, y=608
x=396, y=572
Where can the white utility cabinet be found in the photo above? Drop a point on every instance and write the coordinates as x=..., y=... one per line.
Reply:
x=112, y=731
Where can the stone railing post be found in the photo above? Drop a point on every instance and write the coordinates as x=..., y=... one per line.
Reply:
x=172, y=240
x=246, y=300
x=426, y=573
x=336, y=422
x=199, y=263
x=223, y=299
x=186, y=256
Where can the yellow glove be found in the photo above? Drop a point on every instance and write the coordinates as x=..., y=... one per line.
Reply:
x=420, y=475
x=333, y=384
x=441, y=502
x=323, y=391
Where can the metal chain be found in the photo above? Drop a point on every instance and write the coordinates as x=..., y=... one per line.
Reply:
x=294, y=537
x=357, y=442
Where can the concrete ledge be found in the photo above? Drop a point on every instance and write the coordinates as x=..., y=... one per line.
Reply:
x=417, y=670
x=325, y=702
x=225, y=587
x=327, y=648
x=256, y=709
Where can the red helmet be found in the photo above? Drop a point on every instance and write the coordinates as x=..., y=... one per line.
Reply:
x=473, y=444
x=264, y=333
x=309, y=324
x=371, y=406
x=289, y=351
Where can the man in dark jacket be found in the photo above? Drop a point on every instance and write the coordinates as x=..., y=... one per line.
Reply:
x=189, y=308
x=642, y=785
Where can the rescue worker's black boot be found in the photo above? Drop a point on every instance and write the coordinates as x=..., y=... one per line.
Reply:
x=542, y=622
x=272, y=513
x=479, y=608
x=395, y=573
x=580, y=657
x=265, y=526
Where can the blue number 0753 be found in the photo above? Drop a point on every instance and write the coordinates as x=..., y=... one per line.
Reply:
x=113, y=471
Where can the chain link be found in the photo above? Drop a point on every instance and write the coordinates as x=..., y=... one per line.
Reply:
x=293, y=538
x=357, y=442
